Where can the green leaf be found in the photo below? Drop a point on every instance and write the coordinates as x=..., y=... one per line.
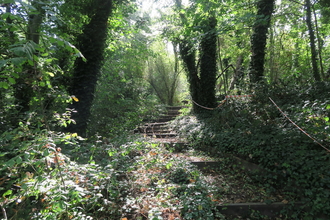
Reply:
x=30, y=62
x=36, y=58
x=10, y=163
x=9, y=192
x=3, y=154
x=58, y=206
x=2, y=63
x=19, y=160
x=17, y=60
x=326, y=118
x=169, y=165
x=15, y=75
x=12, y=80
x=49, y=85
x=328, y=107
x=51, y=74
x=4, y=85
x=41, y=49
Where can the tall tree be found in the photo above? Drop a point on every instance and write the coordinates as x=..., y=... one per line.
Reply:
x=208, y=63
x=91, y=43
x=24, y=87
x=325, y=10
x=201, y=75
x=188, y=56
x=261, y=25
x=315, y=68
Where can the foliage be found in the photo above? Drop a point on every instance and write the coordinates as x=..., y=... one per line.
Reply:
x=164, y=75
x=101, y=180
x=123, y=98
x=270, y=140
x=32, y=78
x=38, y=181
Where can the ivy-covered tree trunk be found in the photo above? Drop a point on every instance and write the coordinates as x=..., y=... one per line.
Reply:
x=23, y=89
x=201, y=80
x=188, y=55
x=315, y=68
x=91, y=43
x=208, y=64
x=259, y=39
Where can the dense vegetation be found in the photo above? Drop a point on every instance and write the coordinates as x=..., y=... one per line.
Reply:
x=77, y=77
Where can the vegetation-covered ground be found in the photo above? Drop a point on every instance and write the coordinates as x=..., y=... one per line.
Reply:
x=297, y=159
x=49, y=175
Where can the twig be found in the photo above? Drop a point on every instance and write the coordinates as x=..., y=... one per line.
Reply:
x=226, y=70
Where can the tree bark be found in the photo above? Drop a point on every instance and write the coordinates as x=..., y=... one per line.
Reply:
x=201, y=80
x=319, y=43
x=238, y=74
x=259, y=39
x=315, y=68
x=91, y=43
x=208, y=64
x=188, y=56
x=23, y=90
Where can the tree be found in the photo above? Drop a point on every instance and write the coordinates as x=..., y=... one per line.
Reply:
x=91, y=43
x=24, y=87
x=123, y=97
x=163, y=75
x=314, y=56
x=208, y=63
x=261, y=25
x=201, y=75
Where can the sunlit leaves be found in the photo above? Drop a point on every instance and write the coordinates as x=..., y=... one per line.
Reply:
x=24, y=50
x=7, y=193
x=75, y=98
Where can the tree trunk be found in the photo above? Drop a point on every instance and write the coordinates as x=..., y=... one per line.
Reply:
x=238, y=72
x=176, y=73
x=201, y=81
x=319, y=43
x=188, y=56
x=315, y=68
x=23, y=90
x=91, y=43
x=259, y=38
x=208, y=64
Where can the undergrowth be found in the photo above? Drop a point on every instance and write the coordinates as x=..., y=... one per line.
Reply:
x=48, y=175
x=53, y=175
x=255, y=130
